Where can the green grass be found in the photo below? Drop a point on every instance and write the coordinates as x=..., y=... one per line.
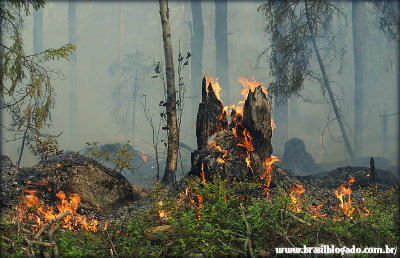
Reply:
x=214, y=226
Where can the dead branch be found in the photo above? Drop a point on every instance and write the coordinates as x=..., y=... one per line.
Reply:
x=248, y=232
x=112, y=246
x=296, y=218
x=50, y=222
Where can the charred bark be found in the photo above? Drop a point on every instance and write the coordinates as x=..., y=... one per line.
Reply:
x=257, y=120
x=211, y=117
x=173, y=132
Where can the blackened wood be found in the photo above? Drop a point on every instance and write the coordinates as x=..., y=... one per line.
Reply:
x=257, y=120
x=211, y=117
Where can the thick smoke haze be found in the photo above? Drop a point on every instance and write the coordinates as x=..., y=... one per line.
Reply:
x=98, y=47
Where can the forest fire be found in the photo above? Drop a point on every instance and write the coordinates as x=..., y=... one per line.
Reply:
x=342, y=190
x=30, y=208
x=295, y=194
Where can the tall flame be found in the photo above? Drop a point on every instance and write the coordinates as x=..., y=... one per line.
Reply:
x=215, y=86
x=342, y=190
x=295, y=194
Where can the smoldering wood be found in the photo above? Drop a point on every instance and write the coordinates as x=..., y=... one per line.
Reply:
x=209, y=120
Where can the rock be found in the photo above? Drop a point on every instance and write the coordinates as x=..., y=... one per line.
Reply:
x=98, y=186
x=153, y=232
x=297, y=159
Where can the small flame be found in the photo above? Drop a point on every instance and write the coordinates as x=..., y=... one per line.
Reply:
x=295, y=194
x=316, y=211
x=246, y=141
x=203, y=178
x=215, y=86
x=144, y=157
x=342, y=190
x=161, y=213
x=273, y=125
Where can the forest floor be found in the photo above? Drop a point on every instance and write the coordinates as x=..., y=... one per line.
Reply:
x=216, y=218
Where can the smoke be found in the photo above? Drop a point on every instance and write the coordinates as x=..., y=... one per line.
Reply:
x=98, y=35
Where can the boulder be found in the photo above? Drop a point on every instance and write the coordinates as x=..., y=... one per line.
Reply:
x=98, y=186
x=297, y=159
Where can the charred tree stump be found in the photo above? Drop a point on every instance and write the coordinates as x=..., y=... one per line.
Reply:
x=239, y=150
x=211, y=117
x=257, y=120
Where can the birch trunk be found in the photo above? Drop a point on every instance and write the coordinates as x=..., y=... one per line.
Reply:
x=173, y=132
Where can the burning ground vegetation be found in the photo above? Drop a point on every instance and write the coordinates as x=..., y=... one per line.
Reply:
x=234, y=202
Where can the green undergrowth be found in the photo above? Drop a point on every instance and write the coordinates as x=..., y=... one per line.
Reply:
x=210, y=219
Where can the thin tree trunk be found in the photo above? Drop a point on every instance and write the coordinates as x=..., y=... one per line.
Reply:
x=196, y=45
x=358, y=21
x=328, y=87
x=135, y=89
x=38, y=31
x=22, y=147
x=221, y=47
x=173, y=132
x=121, y=40
x=72, y=71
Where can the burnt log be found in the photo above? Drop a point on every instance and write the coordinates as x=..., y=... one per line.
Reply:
x=211, y=117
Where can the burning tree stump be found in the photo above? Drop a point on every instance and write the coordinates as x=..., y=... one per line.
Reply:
x=211, y=117
x=240, y=150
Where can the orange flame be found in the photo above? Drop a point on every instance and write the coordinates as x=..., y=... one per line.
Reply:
x=342, y=190
x=273, y=125
x=203, y=178
x=295, y=194
x=162, y=213
x=144, y=157
x=246, y=140
x=316, y=211
x=215, y=86
x=42, y=214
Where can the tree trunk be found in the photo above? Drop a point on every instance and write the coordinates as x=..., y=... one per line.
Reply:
x=173, y=132
x=221, y=47
x=121, y=40
x=328, y=87
x=38, y=31
x=196, y=45
x=135, y=89
x=72, y=71
x=358, y=24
